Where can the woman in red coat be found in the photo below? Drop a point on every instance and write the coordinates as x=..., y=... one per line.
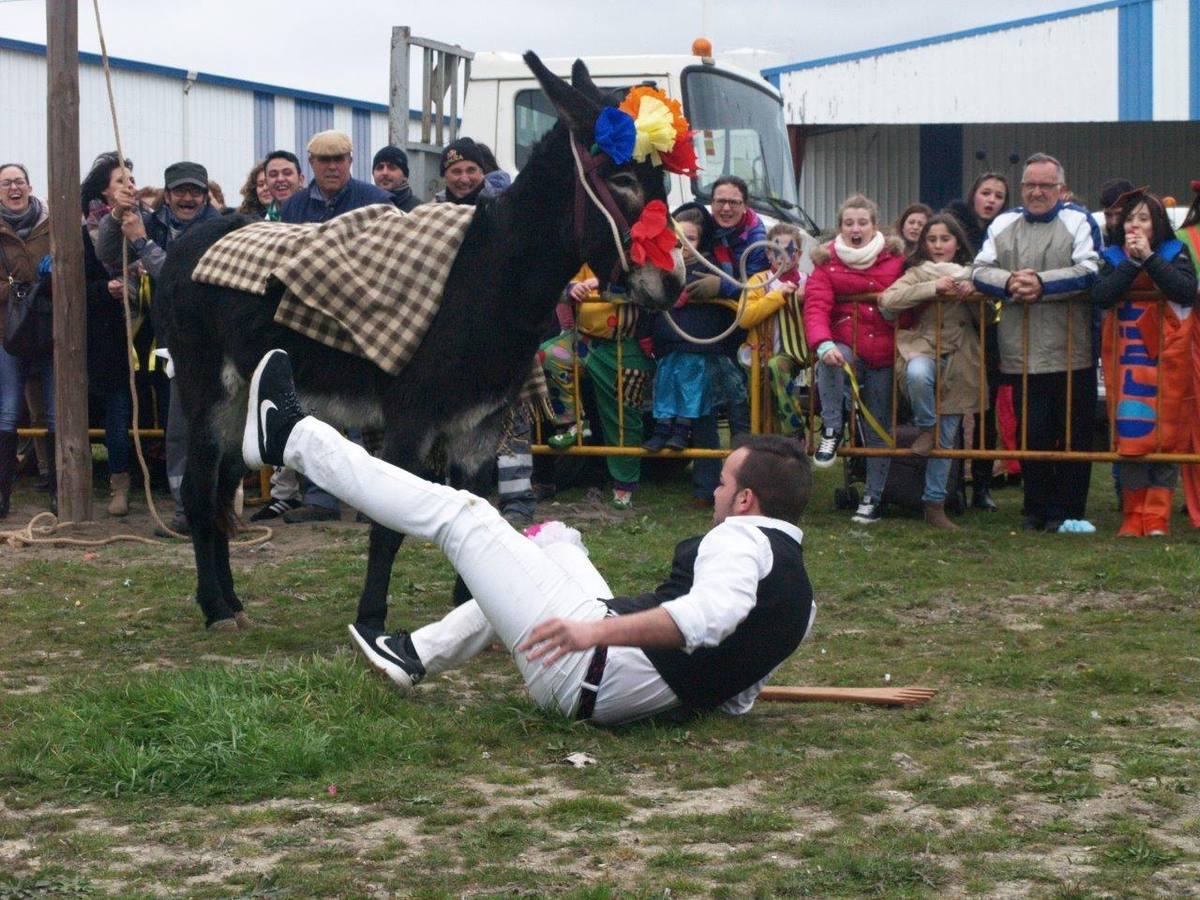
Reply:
x=859, y=261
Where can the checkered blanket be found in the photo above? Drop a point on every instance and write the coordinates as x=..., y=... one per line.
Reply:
x=367, y=282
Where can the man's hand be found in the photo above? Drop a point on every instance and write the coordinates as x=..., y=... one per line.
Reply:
x=1024, y=284
x=132, y=226
x=124, y=199
x=555, y=638
x=116, y=288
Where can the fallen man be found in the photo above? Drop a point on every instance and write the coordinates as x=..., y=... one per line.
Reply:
x=737, y=603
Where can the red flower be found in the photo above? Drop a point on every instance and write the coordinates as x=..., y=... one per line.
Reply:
x=653, y=238
x=682, y=157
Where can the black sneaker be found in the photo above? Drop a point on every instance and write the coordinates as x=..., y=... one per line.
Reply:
x=868, y=513
x=276, y=508
x=827, y=448
x=271, y=412
x=392, y=654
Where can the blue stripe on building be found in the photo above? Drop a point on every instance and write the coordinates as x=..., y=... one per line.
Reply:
x=941, y=164
x=1194, y=59
x=264, y=124
x=1135, y=62
x=311, y=117
x=360, y=136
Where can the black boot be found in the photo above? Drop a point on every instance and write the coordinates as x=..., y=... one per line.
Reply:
x=52, y=472
x=658, y=440
x=681, y=434
x=982, y=499
x=8, y=469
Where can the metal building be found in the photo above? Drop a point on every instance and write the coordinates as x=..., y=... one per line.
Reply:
x=168, y=114
x=1111, y=89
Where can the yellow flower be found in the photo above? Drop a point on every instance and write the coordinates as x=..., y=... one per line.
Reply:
x=655, y=126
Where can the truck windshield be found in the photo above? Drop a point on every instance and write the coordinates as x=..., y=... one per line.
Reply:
x=740, y=130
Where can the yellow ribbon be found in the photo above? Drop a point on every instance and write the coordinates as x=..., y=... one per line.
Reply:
x=866, y=413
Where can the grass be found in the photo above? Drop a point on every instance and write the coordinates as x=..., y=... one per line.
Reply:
x=140, y=756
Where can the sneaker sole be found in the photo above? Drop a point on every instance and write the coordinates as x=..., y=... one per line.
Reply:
x=250, y=435
x=824, y=464
x=400, y=679
x=863, y=520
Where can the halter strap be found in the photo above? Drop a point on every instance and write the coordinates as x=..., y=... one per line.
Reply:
x=590, y=183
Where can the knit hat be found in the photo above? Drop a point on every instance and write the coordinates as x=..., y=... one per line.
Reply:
x=1111, y=191
x=393, y=155
x=185, y=173
x=464, y=149
x=330, y=143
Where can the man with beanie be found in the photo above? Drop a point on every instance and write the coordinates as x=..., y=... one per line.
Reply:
x=463, y=172
x=150, y=233
x=330, y=193
x=389, y=171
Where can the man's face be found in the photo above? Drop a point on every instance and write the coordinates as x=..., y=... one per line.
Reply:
x=1041, y=187
x=389, y=176
x=728, y=205
x=186, y=201
x=331, y=173
x=463, y=177
x=727, y=492
x=283, y=178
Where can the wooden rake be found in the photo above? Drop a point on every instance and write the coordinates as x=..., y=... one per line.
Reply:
x=889, y=696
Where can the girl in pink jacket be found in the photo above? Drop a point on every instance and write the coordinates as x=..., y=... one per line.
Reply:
x=860, y=260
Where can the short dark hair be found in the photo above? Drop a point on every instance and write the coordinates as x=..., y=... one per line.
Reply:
x=777, y=470
x=735, y=181
x=284, y=154
x=1159, y=220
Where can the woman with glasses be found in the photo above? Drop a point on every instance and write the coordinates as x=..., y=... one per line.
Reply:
x=24, y=246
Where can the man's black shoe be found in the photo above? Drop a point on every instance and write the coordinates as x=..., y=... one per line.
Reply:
x=392, y=654
x=272, y=411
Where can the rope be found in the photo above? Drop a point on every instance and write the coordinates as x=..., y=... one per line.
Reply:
x=612, y=224
x=34, y=533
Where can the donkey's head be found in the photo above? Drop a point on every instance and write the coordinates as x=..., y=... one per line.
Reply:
x=621, y=224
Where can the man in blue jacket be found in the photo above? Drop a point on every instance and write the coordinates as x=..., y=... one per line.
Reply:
x=330, y=193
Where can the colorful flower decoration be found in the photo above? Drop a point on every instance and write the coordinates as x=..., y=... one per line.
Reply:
x=652, y=237
x=616, y=134
x=648, y=125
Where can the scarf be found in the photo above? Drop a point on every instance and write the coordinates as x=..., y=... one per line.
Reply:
x=22, y=223
x=272, y=213
x=859, y=257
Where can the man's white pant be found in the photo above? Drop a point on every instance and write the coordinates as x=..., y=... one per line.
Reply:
x=515, y=583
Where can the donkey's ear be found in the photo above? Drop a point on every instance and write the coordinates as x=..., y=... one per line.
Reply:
x=575, y=109
x=581, y=80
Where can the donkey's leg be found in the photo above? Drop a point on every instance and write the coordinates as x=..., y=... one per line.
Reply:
x=381, y=554
x=229, y=476
x=200, y=502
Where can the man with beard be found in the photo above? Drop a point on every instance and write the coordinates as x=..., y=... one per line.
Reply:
x=389, y=171
x=150, y=233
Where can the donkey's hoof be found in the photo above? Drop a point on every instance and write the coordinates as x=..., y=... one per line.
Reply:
x=244, y=622
x=223, y=625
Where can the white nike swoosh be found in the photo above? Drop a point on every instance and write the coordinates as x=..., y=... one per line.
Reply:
x=382, y=648
x=263, y=409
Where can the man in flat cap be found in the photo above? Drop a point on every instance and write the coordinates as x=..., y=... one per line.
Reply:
x=330, y=193
x=389, y=171
x=150, y=233
x=332, y=190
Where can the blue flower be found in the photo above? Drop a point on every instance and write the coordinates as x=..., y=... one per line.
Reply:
x=615, y=134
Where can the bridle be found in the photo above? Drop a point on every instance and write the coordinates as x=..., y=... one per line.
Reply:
x=589, y=185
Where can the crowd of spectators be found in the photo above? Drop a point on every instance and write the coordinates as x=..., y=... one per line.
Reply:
x=836, y=323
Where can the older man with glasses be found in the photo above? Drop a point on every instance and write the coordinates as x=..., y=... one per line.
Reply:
x=1041, y=259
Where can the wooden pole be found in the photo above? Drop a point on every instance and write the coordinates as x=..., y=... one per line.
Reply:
x=73, y=449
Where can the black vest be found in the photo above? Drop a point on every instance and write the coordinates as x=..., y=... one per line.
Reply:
x=708, y=676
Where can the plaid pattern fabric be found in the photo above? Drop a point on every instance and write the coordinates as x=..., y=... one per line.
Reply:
x=367, y=282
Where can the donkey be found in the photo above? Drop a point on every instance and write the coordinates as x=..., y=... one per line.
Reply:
x=518, y=253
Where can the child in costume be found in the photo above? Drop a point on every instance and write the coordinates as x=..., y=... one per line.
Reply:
x=775, y=307
x=939, y=348
x=1147, y=347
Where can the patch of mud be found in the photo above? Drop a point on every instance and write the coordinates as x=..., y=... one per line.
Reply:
x=1020, y=612
x=23, y=684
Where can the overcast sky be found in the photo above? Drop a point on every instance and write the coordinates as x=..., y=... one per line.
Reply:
x=341, y=46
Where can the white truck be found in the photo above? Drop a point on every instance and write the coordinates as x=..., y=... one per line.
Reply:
x=737, y=116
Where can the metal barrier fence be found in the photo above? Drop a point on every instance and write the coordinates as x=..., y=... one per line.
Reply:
x=760, y=399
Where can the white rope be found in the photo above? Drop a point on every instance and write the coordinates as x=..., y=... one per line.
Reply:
x=616, y=232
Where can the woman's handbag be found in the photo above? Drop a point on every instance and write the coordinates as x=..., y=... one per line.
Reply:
x=29, y=317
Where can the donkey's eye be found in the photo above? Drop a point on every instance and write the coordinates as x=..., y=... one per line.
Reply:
x=626, y=181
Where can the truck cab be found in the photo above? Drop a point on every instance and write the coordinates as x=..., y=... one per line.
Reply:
x=737, y=116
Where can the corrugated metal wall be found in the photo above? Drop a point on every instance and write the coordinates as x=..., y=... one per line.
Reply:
x=264, y=124
x=360, y=135
x=310, y=118
x=878, y=160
